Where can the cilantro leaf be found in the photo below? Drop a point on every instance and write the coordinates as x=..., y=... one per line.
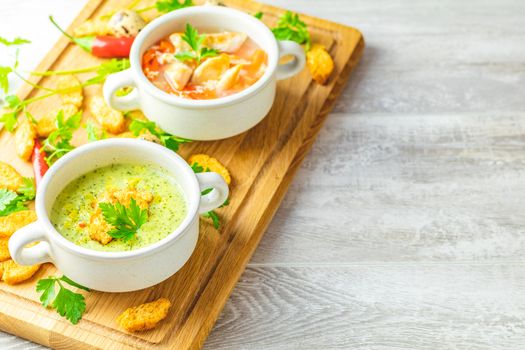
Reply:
x=165, y=6
x=194, y=40
x=73, y=283
x=9, y=120
x=258, y=15
x=6, y=198
x=4, y=79
x=125, y=220
x=58, y=143
x=114, y=65
x=290, y=27
x=47, y=286
x=214, y=218
x=67, y=303
x=15, y=41
x=93, y=133
x=27, y=190
x=185, y=56
x=70, y=305
x=172, y=142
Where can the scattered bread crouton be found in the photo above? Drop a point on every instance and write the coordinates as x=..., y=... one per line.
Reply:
x=74, y=96
x=211, y=164
x=47, y=124
x=12, y=222
x=99, y=228
x=319, y=63
x=127, y=135
x=145, y=316
x=4, y=249
x=14, y=273
x=92, y=27
x=10, y=178
x=25, y=136
x=110, y=119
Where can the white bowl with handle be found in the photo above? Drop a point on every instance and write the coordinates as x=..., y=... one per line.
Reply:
x=117, y=271
x=204, y=119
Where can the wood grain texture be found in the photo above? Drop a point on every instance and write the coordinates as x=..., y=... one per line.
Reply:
x=262, y=162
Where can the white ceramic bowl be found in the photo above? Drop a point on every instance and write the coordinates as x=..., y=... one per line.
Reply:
x=117, y=271
x=204, y=119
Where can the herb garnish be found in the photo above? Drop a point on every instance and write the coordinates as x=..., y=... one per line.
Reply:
x=58, y=143
x=290, y=27
x=67, y=303
x=258, y=15
x=165, y=6
x=94, y=133
x=11, y=201
x=15, y=42
x=167, y=140
x=194, y=40
x=197, y=168
x=125, y=220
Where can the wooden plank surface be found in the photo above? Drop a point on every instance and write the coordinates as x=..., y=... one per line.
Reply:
x=262, y=162
x=456, y=283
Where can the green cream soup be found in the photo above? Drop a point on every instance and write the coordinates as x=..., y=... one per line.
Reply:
x=76, y=204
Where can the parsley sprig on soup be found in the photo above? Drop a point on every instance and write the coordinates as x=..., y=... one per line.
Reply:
x=119, y=207
x=204, y=66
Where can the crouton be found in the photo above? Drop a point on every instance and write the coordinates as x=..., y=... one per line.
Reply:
x=15, y=274
x=210, y=164
x=74, y=96
x=47, y=124
x=110, y=119
x=25, y=136
x=4, y=249
x=319, y=63
x=10, y=178
x=12, y=222
x=145, y=316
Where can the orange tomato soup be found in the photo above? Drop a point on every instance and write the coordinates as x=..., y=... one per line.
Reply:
x=235, y=64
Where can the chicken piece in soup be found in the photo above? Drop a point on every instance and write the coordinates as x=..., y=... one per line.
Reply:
x=205, y=66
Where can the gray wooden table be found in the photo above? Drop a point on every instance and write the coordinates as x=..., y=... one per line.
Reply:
x=404, y=228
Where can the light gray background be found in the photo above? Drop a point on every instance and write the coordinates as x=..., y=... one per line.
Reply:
x=404, y=226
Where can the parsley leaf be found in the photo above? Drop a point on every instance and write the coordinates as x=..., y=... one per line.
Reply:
x=4, y=79
x=114, y=65
x=214, y=218
x=93, y=133
x=165, y=6
x=58, y=143
x=11, y=201
x=126, y=220
x=194, y=40
x=258, y=15
x=67, y=303
x=172, y=142
x=15, y=41
x=290, y=27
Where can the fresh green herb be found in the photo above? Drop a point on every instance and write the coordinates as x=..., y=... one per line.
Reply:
x=165, y=6
x=11, y=201
x=67, y=303
x=58, y=143
x=197, y=168
x=206, y=191
x=214, y=218
x=290, y=27
x=125, y=220
x=94, y=133
x=137, y=127
x=123, y=91
x=109, y=67
x=194, y=40
x=258, y=15
x=15, y=42
x=4, y=77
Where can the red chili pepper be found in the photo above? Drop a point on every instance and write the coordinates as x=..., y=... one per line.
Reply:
x=39, y=162
x=101, y=46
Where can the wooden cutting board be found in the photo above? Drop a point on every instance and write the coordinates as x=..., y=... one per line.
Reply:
x=262, y=162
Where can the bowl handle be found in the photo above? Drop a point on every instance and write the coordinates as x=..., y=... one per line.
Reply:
x=286, y=48
x=215, y=198
x=37, y=254
x=117, y=81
